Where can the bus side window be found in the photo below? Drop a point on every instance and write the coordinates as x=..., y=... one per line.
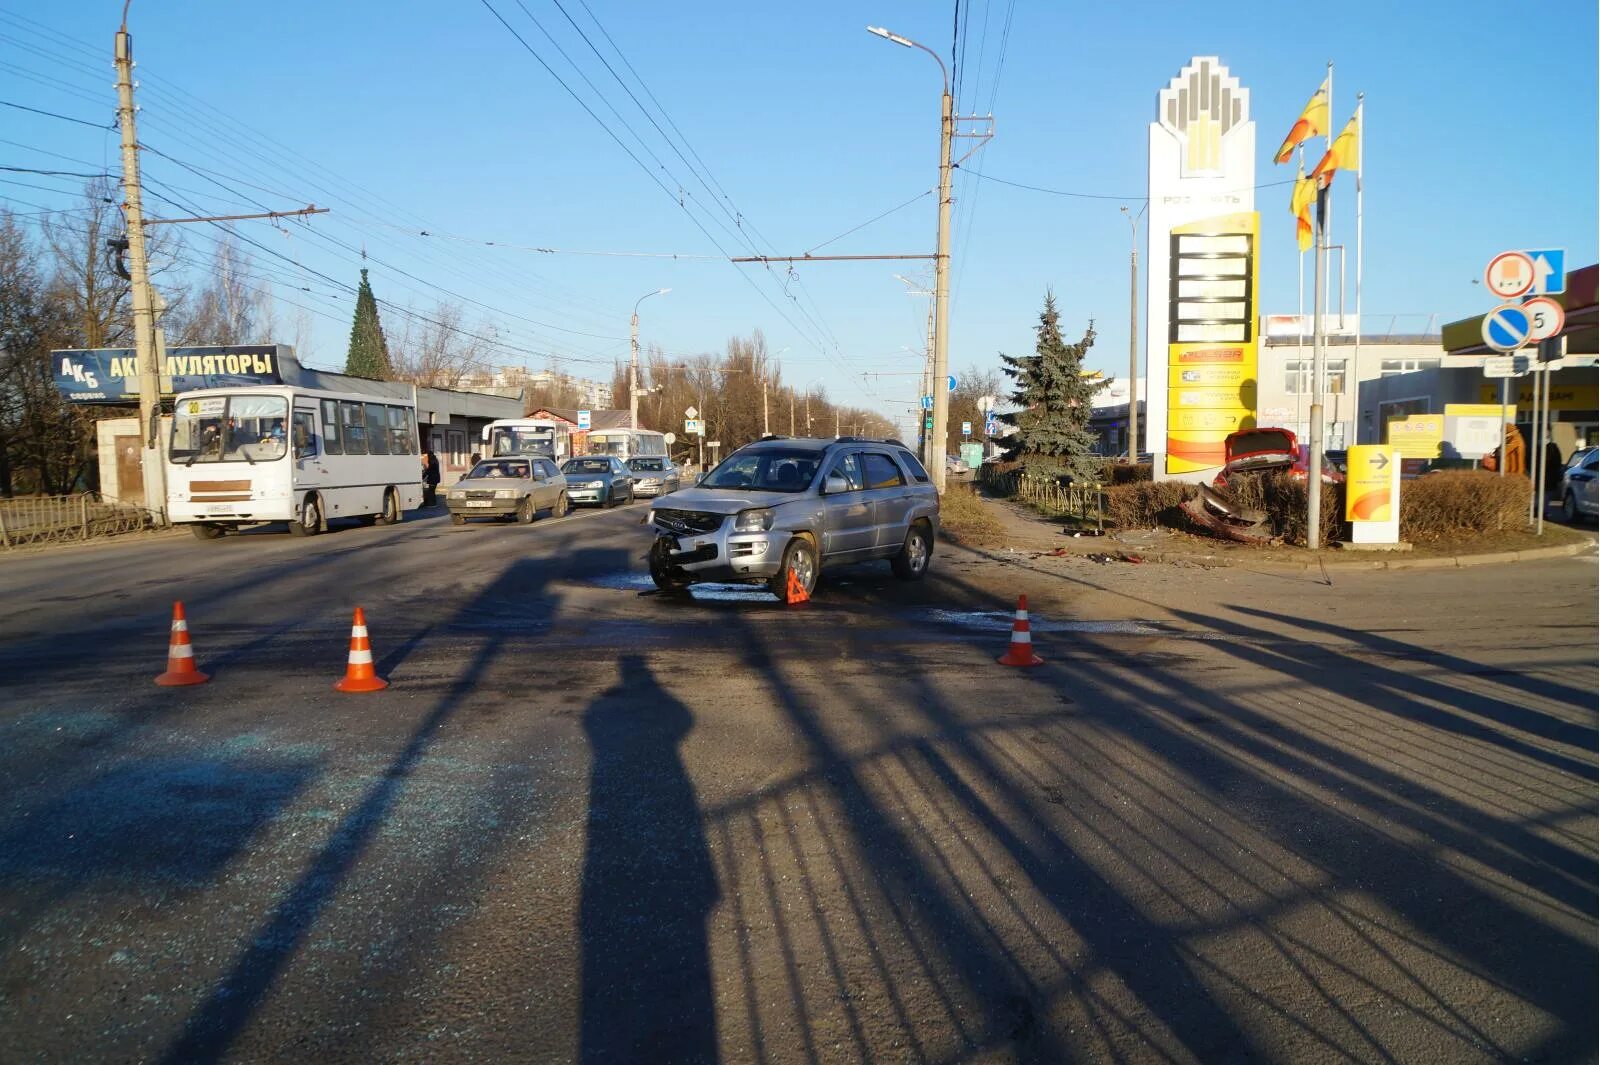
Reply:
x=305, y=434
x=399, y=440
x=377, y=429
x=354, y=426
x=332, y=439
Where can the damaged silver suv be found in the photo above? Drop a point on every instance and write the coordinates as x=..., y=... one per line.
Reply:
x=782, y=506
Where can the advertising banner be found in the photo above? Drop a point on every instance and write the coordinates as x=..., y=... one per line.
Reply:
x=1211, y=338
x=1417, y=437
x=1367, y=495
x=111, y=375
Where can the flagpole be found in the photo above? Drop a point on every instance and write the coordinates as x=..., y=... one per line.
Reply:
x=1318, y=342
x=1361, y=161
x=1300, y=317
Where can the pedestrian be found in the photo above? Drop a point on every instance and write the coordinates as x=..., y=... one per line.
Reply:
x=430, y=478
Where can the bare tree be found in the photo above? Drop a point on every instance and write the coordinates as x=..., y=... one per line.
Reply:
x=228, y=310
x=439, y=350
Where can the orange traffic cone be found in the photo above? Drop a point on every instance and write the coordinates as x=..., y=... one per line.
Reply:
x=180, y=656
x=359, y=676
x=795, y=593
x=1020, y=653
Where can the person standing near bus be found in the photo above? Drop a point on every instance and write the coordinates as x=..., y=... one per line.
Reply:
x=430, y=477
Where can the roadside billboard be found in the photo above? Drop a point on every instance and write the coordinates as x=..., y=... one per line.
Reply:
x=111, y=375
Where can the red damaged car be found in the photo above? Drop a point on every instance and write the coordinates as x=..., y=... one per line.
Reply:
x=1268, y=450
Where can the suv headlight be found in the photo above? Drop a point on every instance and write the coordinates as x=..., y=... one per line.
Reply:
x=753, y=521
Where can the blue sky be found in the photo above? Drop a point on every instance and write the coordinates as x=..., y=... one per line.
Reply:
x=405, y=116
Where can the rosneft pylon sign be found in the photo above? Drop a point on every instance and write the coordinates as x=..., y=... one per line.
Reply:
x=1211, y=338
x=111, y=375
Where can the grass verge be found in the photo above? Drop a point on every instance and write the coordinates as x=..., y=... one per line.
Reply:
x=963, y=519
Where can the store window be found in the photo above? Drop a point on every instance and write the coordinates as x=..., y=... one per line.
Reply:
x=1297, y=376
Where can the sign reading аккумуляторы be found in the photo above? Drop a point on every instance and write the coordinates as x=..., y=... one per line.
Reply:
x=111, y=375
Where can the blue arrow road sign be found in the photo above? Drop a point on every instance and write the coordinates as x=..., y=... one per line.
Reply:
x=950, y=383
x=1506, y=328
x=1549, y=271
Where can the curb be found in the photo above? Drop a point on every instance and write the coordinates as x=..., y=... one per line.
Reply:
x=1488, y=558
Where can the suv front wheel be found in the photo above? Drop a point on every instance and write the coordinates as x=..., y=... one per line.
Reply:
x=799, y=558
x=912, y=561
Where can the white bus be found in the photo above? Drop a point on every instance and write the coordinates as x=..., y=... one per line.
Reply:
x=251, y=454
x=528, y=436
x=628, y=444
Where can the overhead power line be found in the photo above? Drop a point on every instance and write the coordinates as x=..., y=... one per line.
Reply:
x=64, y=118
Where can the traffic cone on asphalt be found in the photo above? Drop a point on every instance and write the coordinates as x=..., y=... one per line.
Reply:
x=795, y=593
x=359, y=676
x=1020, y=653
x=180, y=655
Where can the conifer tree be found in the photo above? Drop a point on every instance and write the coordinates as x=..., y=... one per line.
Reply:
x=1055, y=401
x=369, y=352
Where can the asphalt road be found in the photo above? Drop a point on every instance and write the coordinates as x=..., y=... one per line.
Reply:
x=1238, y=816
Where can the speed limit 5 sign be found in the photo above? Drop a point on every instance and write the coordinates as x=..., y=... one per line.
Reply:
x=1546, y=318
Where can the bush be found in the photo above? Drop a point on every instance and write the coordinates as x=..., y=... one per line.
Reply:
x=1146, y=504
x=964, y=519
x=1113, y=472
x=1283, y=498
x=1458, y=503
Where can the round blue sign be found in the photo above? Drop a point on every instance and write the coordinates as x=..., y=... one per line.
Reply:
x=1506, y=328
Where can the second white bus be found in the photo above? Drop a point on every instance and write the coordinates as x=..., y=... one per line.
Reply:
x=628, y=444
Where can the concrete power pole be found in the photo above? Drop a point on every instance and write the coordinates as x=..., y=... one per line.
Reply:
x=144, y=303
x=941, y=297
x=633, y=365
x=791, y=412
x=1133, y=337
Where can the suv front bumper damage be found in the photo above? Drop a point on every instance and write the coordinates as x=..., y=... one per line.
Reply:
x=721, y=553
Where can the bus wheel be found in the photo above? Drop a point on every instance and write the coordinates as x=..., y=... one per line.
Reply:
x=206, y=531
x=391, y=508
x=310, y=522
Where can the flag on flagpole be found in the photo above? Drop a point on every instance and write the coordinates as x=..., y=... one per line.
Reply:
x=1344, y=153
x=1300, y=201
x=1313, y=122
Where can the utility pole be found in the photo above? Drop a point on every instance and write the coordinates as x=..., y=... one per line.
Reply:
x=766, y=427
x=633, y=366
x=144, y=324
x=941, y=297
x=1133, y=337
x=836, y=423
x=1318, y=363
x=791, y=412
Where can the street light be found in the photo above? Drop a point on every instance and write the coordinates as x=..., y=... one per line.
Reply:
x=633, y=372
x=1133, y=335
x=941, y=286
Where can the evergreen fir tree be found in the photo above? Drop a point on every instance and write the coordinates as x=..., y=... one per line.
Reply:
x=1056, y=401
x=369, y=352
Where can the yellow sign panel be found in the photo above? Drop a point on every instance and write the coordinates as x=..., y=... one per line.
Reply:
x=1205, y=376
x=1562, y=397
x=1369, y=484
x=1417, y=437
x=1211, y=386
x=1243, y=397
x=1480, y=410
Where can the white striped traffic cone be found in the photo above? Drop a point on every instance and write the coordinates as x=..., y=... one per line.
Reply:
x=1020, y=653
x=359, y=675
x=181, y=670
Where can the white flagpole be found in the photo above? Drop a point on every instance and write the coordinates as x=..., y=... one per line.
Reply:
x=1300, y=318
x=1361, y=162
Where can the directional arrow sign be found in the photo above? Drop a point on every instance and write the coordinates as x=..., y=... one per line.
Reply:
x=1381, y=459
x=1506, y=328
x=950, y=383
x=1549, y=271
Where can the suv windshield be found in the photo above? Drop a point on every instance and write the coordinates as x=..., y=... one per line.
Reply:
x=587, y=466
x=647, y=465
x=229, y=429
x=765, y=470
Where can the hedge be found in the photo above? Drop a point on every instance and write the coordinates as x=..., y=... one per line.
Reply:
x=1452, y=504
x=1146, y=504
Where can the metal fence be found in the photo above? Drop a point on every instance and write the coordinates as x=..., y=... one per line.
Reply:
x=1084, y=501
x=45, y=519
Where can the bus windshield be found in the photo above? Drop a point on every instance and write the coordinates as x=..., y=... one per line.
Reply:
x=522, y=440
x=230, y=429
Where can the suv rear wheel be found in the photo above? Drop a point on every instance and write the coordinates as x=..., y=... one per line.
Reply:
x=799, y=558
x=911, y=564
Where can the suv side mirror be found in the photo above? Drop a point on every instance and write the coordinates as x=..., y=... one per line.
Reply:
x=835, y=485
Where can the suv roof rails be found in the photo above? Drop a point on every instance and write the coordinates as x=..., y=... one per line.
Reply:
x=892, y=441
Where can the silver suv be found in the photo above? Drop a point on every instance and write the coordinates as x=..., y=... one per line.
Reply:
x=782, y=506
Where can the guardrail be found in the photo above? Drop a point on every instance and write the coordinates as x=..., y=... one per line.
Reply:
x=46, y=519
x=1082, y=500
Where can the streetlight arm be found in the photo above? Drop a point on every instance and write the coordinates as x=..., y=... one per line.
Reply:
x=907, y=42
